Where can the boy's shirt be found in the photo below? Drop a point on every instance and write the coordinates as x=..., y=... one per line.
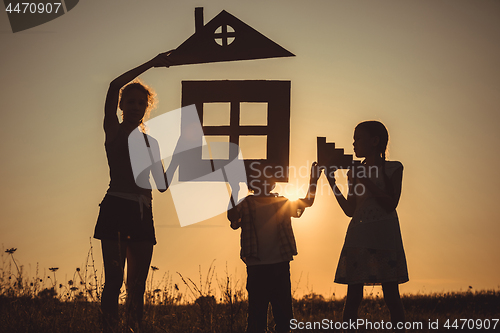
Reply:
x=277, y=241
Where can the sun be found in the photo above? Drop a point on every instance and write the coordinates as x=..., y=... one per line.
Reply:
x=289, y=191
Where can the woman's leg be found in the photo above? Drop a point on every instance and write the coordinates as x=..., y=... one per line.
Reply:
x=113, y=254
x=138, y=260
x=393, y=301
x=352, y=302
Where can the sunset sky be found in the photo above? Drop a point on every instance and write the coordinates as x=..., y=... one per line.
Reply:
x=429, y=70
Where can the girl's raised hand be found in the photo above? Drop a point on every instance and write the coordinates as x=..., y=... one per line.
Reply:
x=162, y=60
x=315, y=172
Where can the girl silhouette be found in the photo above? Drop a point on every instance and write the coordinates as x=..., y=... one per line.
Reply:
x=125, y=222
x=373, y=249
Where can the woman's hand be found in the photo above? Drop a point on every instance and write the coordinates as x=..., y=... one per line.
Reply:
x=162, y=60
x=111, y=123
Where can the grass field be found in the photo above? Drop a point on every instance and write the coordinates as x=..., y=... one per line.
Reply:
x=42, y=304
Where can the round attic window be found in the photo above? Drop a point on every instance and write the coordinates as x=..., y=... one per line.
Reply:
x=224, y=35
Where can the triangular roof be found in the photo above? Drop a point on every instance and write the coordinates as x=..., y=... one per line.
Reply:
x=244, y=43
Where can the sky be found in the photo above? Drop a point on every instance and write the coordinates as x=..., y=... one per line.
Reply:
x=427, y=69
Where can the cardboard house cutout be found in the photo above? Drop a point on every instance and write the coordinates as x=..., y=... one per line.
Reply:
x=253, y=115
x=225, y=38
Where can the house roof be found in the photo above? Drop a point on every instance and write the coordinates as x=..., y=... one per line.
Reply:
x=225, y=38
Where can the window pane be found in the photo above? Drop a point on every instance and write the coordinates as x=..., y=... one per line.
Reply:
x=215, y=147
x=253, y=147
x=216, y=114
x=253, y=114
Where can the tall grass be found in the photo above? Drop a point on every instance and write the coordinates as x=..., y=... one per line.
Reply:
x=211, y=304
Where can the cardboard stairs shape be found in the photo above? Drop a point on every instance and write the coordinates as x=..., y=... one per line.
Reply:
x=334, y=158
x=225, y=38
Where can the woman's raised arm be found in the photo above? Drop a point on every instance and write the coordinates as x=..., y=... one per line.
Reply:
x=110, y=118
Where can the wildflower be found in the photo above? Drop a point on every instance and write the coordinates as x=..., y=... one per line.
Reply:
x=60, y=285
x=176, y=287
x=70, y=282
x=73, y=288
x=78, y=269
x=11, y=250
x=156, y=290
x=53, y=269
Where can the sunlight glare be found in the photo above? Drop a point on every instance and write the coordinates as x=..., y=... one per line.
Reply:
x=289, y=191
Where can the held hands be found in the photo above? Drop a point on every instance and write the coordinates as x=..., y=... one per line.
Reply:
x=233, y=215
x=162, y=60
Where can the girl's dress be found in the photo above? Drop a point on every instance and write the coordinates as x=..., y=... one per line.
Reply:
x=373, y=249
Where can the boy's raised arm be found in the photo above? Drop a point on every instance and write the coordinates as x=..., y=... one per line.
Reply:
x=308, y=201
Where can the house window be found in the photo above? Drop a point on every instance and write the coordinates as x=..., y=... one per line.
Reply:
x=253, y=114
x=215, y=147
x=216, y=114
x=253, y=147
x=224, y=35
x=243, y=123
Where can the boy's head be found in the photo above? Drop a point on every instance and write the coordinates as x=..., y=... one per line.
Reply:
x=260, y=186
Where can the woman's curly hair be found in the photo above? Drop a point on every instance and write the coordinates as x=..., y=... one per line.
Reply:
x=137, y=84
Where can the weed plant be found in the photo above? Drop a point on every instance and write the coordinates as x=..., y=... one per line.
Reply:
x=41, y=304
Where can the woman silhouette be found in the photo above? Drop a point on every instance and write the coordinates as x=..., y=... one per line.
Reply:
x=125, y=222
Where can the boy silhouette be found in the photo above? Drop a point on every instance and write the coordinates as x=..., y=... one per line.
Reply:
x=267, y=247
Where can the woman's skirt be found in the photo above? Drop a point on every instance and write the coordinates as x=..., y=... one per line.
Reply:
x=122, y=219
